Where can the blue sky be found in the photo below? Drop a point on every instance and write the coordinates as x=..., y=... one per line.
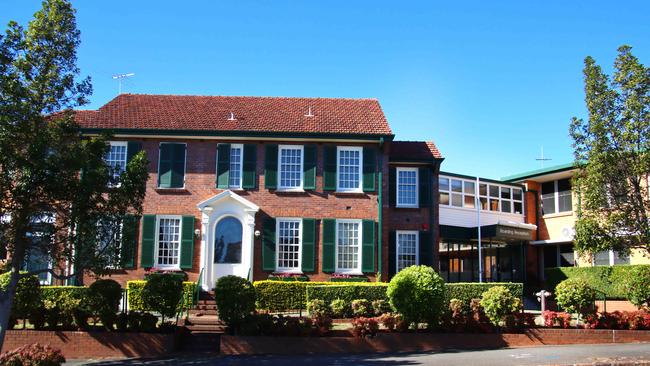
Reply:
x=489, y=82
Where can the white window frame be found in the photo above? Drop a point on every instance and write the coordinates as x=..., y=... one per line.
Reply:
x=126, y=158
x=301, y=171
x=351, y=271
x=611, y=256
x=358, y=189
x=556, y=198
x=241, y=165
x=180, y=241
x=48, y=281
x=277, y=245
x=397, y=246
x=184, y=165
x=120, y=241
x=417, y=193
x=478, y=196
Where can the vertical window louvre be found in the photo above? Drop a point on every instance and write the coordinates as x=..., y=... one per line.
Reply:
x=290, y=165
x=116, y=160
x=348, y=246
x=236, y=159
x=169, y=241
x=289, y=244
x=407, y=249
x=407, y=187
x=349, y=169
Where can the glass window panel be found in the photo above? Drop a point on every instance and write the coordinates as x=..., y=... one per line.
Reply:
x=457, y=200
x=407, y=185
x=517, y=194
x=349, y=169
x=444, y=184
x=550, y=256
x=505, y=193
x=348, y=248
x=601, y=258
x=564, y=185
x=482, y=189
x=505, y=206
x=565, y=202
x=228, y=241
x=548, y=187
x=518, y=207
x=288, y=245
x=456, y=185
x=484, y=203
x=169, y=242
x=235, y=166
x=470, y=201
x=116, y=160
x=494, y=204
x=567, y=258
x=444, y=198
x=290, y=167
x=621, y=259
x=548, y=203
x=470, y=187
x=406, y=250
x=494, y=191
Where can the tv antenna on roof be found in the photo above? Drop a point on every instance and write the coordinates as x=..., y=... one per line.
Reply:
x=119, y=78
x=542, y=159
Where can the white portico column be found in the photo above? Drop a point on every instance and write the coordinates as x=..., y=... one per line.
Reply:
x=250, y=222
x=205, y=248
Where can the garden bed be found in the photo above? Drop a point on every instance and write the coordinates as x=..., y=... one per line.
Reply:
x=423, y=342
x=79, y=344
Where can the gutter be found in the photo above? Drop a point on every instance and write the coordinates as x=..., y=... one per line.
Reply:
x=380, y=205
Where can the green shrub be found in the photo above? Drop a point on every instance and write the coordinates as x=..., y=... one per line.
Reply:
x=64, y=305
x=104, y=300
x=147, y=322
x=122, y=322
x=339, y=308
x=466, y=291
x=235, y=297
x=609, y=280
x=637, y=286
x=348, y=292
x=134, y=291
x=27, y=299
x=361, y=307
x=418, y=293
x=498, y=302
x=575, y=295
x=380, y=307
x=162, y=294
x=317, y=308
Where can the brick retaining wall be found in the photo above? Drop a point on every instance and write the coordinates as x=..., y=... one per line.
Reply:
x=94, y=344
x=425, y=342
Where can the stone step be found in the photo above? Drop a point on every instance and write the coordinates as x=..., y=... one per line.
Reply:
x=205, y=307
x=206, y=328
x=200, y=312
x=205, y=319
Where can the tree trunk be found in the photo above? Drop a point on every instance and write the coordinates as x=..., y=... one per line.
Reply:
x=6, y=301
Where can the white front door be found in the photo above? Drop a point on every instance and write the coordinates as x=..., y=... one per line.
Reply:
x=227, y=236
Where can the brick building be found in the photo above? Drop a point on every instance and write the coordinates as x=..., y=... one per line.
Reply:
x=255, y=186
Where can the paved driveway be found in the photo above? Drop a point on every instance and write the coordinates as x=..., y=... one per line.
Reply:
x=550, y=355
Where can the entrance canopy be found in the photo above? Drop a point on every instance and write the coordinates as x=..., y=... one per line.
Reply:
x=502, y=231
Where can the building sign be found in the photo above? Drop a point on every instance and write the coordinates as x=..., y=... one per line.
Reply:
x=509, y=232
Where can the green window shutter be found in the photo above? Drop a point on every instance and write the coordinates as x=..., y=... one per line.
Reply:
x=148, y=240
x=268, y=245
x=249, y=178
x=426, y=248
x=165, y=166
x=369, y=168
x=132, y=148
x=329, y=168
x=309, y=167
x=368, y=246
x=178, y=166
x=392, y=187
x=271, y=167
x=223, y=166
x=329, y=246
x=129, y=244
x=187, y=242
x=424, y=193
x=392, y=254
x=308, y=245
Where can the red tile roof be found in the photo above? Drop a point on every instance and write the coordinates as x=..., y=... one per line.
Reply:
x=251, y=114
x=413, y=150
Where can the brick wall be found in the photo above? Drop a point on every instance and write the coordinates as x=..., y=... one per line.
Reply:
x=94, y=344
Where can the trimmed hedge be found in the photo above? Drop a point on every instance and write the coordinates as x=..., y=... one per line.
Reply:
x=370, y=291
x=55, y=292
x=284, y=296
x=605, y=279
x=466, y=291
x=134, y=297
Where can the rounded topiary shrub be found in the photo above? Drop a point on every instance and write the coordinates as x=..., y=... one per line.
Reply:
x=339, y=308
x=162, y=293
x=235, y=298
x=575, y=295
x=498, y=302
x=28, y=299
x=104, y=300
x=418, y=293
x=637, y=286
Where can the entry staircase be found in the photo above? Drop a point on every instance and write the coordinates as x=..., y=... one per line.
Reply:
x=204, y=326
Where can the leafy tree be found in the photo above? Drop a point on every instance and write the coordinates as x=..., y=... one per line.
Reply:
x=54, y=184
x=612, y=152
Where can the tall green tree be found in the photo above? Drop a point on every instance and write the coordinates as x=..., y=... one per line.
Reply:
x=54, y=184
x=612, y=150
